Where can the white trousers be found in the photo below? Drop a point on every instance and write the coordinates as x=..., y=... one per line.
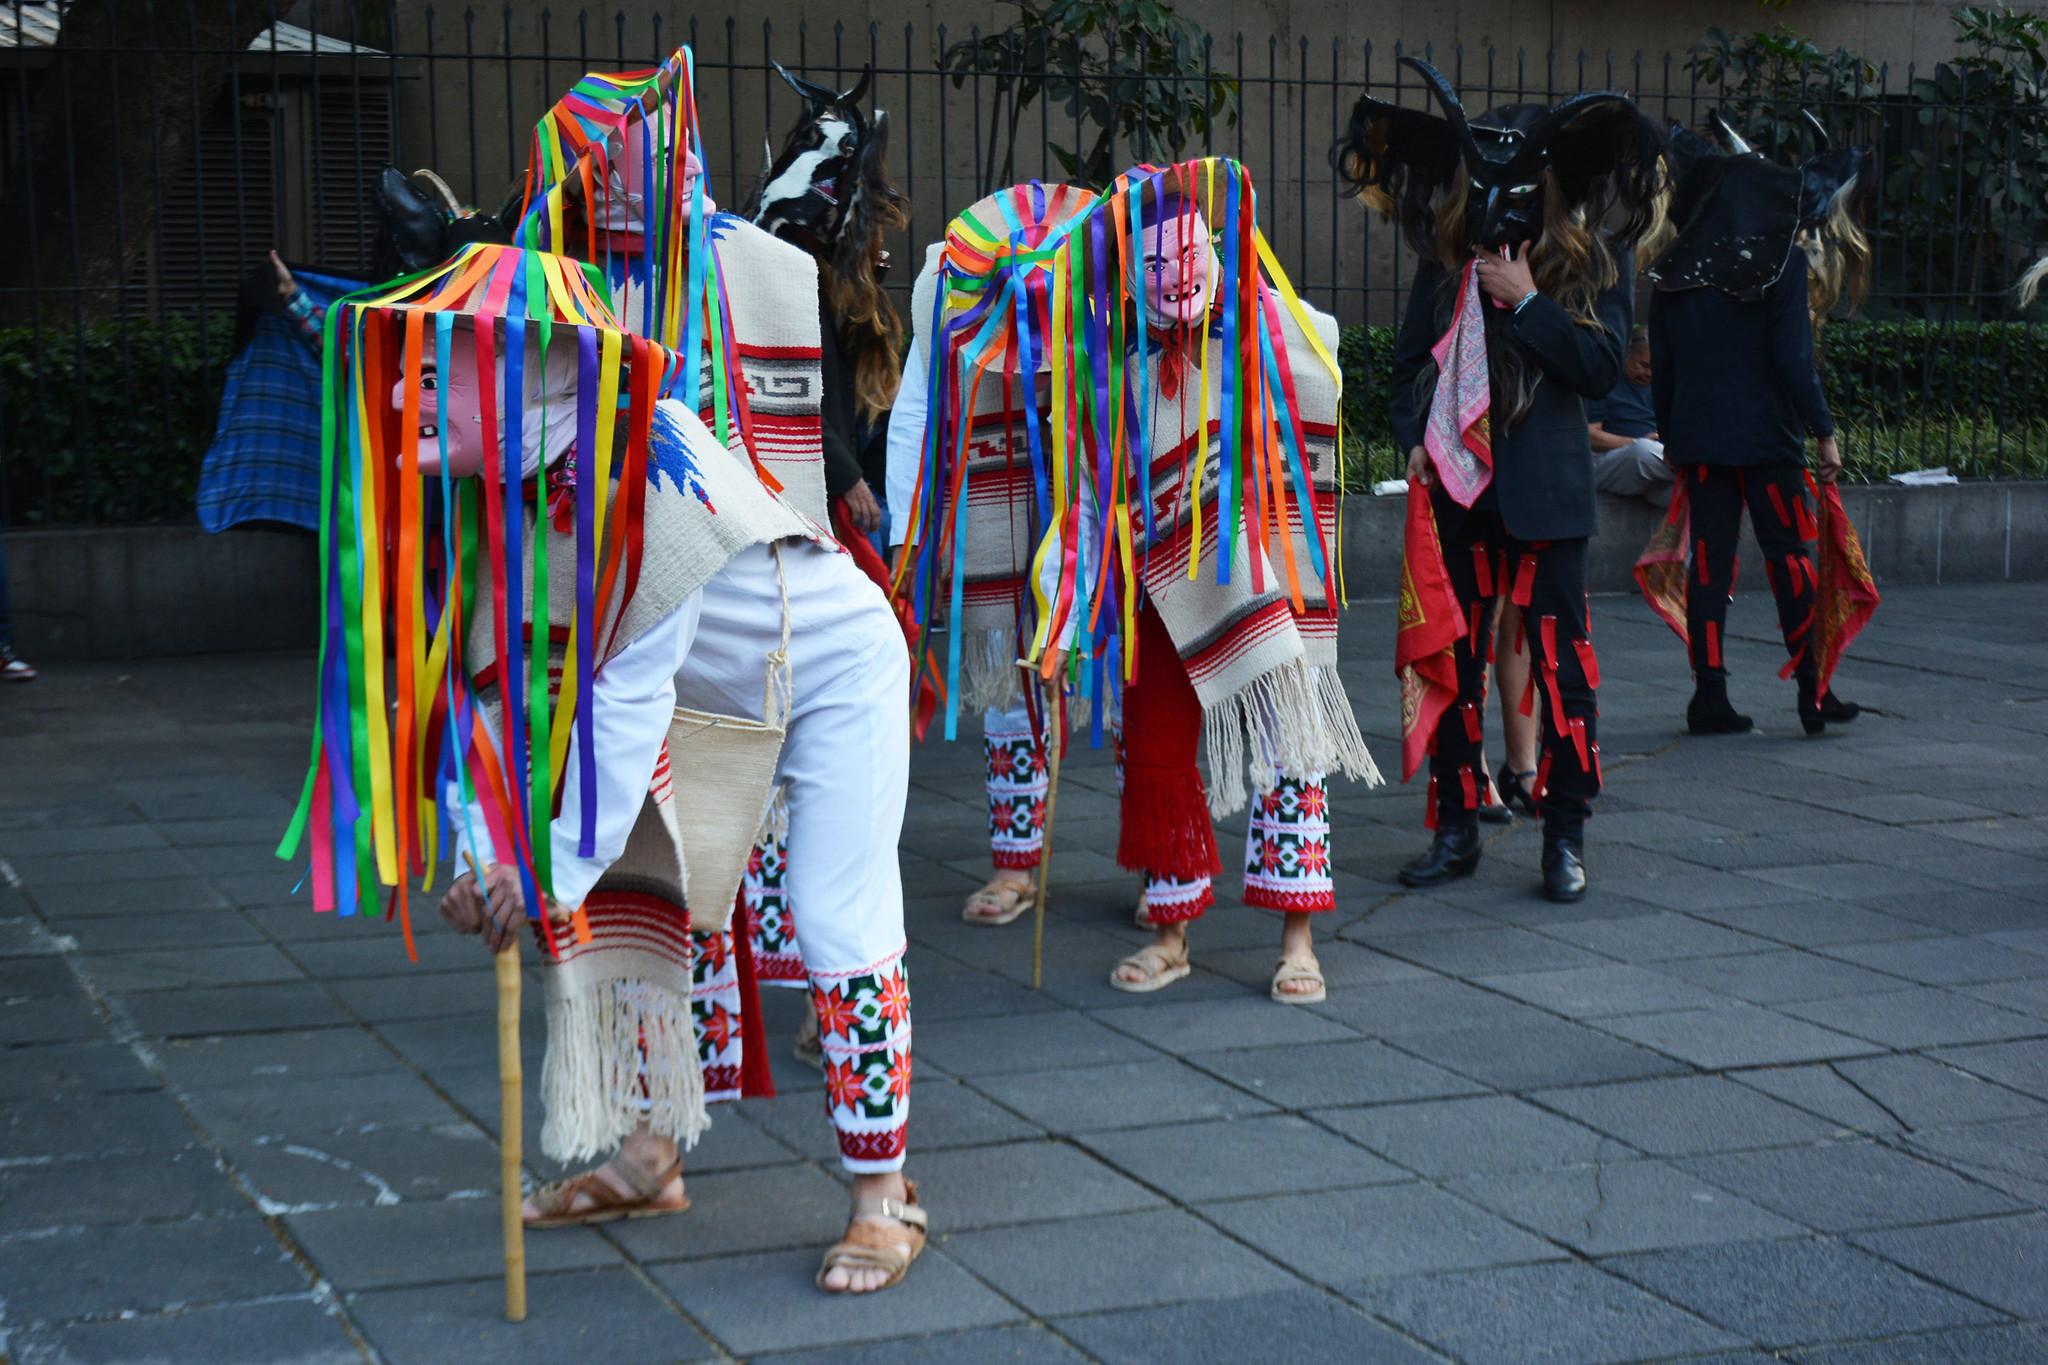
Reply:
x=846, y=766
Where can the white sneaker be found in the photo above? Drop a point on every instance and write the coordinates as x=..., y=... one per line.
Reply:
x=13, y=669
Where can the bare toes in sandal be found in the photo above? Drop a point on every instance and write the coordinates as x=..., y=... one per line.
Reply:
x=1151, y=968
x=1299, y=981
x=883, y=1236
x=586, y=1199
x=1004, y=898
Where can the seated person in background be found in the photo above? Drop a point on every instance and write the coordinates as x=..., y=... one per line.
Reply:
x=1628, y=459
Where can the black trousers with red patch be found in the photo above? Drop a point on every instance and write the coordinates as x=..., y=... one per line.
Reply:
x=1776, y=496
x=1547, y=579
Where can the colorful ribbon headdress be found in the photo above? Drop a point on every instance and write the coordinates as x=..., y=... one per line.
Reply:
x=989, y=322
x=400, y=718
x=615, y=179
x=1102, y=442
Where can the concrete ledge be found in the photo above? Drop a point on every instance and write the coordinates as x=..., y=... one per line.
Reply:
x=133, y=591
x=136, y=591
x=1964, y=533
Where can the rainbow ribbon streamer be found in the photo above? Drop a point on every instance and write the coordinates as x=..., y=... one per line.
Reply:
x=400, y=716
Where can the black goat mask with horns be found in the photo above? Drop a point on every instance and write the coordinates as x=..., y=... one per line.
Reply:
x=1737, y=212
x=827, y=186
x=1601, y=149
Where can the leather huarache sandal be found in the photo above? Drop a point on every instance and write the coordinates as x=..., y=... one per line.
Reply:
x=1292, y=969
x=1158, y=970
x=996, y=904
x=558, y=1205
x=1143, y=919
x=871, y=1245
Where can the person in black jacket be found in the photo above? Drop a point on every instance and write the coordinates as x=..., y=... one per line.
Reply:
x=1514, y=203
x=1738, y=396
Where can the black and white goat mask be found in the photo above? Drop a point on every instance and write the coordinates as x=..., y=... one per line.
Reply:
x=1737, y=212
x=1601, y=150
x=420, y=223
x=823, y=190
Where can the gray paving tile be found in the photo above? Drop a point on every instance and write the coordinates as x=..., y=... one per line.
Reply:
x=2011, y=1156
x=425, y=1243
x=2023, y=1345
x=1039, y=1181
x=1295, y=1324
x=291, y=1332
x=319, y=1106
x=970, y=1047
x=233, y=1009
x=70, y=1068
x=1561, y=1311
x=1817, y=924
x=1487, y=952
x=1532, y=1055
x=1922, y=1092
x=184, y=968
x=161, y=895
x=766, y=1208
x=769, y=1302
x=1924, y=1017
x=1614, y=1206
x=1127, y=1260
x=1854, y=881
x=1681, y=1115
x=1734, y=1035
x=126, y=1189
x=466, y=1321
x=40, y=870
x=1823, y=1090
x=101, y=1272
x=2028, y=997
x=1347, y=967
x=1132, y=1095
x=1595, y=992
x=83, y=1123
x=2021, y=1065
x=1482, y=1133
x=46, y=1019
x=995, y=1345
x=1778, y=977
x=1996, y=1260
x=1946, y=961
x=1212, y=1025
x=1710, y=891
x=368, y=1167
x=1848, y=1186
x=1796, y=1292
x=1399, y=1008
x=269, y=1058
x=1342, y=1236
x=1324, y=1074
x=419, y=995
x=1236, y=1158
x=1654, y=938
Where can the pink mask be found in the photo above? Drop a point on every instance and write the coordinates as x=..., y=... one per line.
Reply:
x=449, y=400
x=1180, y=271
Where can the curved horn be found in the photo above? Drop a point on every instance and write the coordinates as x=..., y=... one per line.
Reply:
x=1821, y=140
x=448, y=200
x=1536, y=144
x=1453, y=107
x=1732, y=140
x=867, y=77
x=816, y=94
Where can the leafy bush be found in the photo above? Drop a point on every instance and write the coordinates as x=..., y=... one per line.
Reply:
x=109, y=424
x=1906, y=393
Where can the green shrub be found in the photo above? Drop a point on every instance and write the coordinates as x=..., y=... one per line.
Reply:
x=109, y=424
x=1907, y=394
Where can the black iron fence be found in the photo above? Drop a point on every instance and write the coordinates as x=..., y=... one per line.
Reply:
x=152, y=158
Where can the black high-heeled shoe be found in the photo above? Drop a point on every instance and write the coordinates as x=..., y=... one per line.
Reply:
x=1514, y=791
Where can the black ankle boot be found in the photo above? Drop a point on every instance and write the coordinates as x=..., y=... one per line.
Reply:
x=1709, y=712
x=1454, y=853
x=1811, y=718
x=1835, y=711
x=1564, y=867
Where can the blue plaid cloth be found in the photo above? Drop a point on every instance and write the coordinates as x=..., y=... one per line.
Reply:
x=264, y=464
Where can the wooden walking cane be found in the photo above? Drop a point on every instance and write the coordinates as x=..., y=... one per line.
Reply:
x=511, y=1120
x=1054, y=734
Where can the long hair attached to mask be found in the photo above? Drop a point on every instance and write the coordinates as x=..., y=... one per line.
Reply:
x=1555, y=180
x=399, y=716
x=829, y=192
x=615, y=179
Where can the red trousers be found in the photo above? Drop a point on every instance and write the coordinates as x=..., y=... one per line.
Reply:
x=1166, y=828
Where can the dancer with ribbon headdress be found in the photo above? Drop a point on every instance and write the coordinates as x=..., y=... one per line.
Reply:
x=683, y=273
x=1763, y=253
x=1520, y=312
x=1184, y=473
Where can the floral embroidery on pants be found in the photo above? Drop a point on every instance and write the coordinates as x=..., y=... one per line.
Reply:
x=1016, y=788
x=715, y=1013
x=1287, y=847
x=864, y=1028
x=771, y=919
